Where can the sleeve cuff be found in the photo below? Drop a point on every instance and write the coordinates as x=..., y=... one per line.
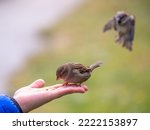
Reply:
x=9, y=105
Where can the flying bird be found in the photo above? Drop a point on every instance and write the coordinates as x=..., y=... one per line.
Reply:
x=75, y=73
x=124, y=24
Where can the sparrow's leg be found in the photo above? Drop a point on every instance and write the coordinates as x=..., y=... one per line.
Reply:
x=76, y=84
x=118, y=39
x=65, y=84
x=72, y=84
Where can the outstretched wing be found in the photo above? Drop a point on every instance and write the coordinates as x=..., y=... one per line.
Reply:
x=109, y=25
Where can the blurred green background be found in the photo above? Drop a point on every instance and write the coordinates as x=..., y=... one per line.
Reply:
x=122, y=84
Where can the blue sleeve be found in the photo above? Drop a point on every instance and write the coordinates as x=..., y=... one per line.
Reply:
x=9, y=105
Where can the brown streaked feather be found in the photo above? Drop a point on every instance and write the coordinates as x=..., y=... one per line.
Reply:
x=81, y=68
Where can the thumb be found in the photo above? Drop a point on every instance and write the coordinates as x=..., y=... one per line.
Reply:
x=38, y=83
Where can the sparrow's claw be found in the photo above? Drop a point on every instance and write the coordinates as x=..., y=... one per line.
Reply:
x=72, y=84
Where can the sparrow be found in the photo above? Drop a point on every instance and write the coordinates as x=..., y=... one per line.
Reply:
x=124, y=24
x=75, y=73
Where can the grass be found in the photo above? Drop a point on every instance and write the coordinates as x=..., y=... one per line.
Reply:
x=122, y=84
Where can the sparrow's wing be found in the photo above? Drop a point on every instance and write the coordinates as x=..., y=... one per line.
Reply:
x=132, y=28
x=81, y=68
x=109, y=25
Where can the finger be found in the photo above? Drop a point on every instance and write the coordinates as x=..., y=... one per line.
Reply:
x=65, y=90
x=56, y=86
x=38, y=83
x=62, y=86
x=72, y=89
x=77, y=88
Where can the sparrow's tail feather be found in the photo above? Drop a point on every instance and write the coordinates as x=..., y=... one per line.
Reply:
x=95, y=65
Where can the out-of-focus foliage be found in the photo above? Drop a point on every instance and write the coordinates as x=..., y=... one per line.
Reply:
x=122, y=84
